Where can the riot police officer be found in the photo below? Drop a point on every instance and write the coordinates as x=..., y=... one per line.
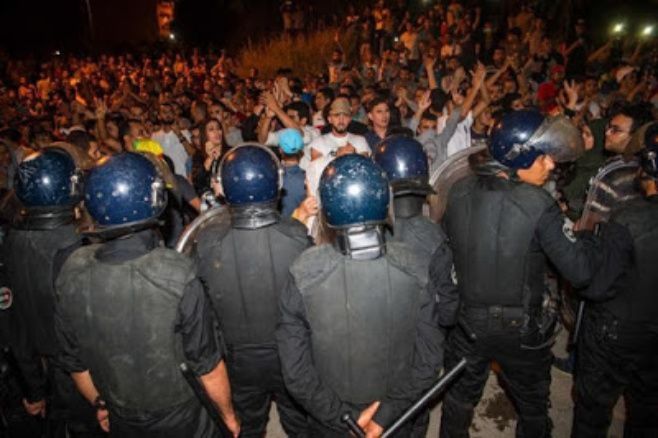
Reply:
x=617, y=350
x=48, y=185
x=130, y=311
x=358, y=331
x=243, y=260
x=405, y=163
x=503, y=228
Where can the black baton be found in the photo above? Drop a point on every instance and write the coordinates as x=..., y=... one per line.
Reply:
x=579, y=322
x=203, y=397
x=413, y=410
x=353, y=426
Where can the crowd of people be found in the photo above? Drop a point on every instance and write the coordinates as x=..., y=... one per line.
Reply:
x=296, y=275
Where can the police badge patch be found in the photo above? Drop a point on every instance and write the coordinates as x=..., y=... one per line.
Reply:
x=567, y=230
x=453, y=275
x=6, y=298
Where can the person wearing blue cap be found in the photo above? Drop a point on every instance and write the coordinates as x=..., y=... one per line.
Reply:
x=291, y=144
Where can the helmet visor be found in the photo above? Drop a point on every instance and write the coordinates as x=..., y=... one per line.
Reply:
x=559, y=138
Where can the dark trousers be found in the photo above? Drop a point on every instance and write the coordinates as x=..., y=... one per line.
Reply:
x=525, y=373
x=68, y=408
x=256, y=380
x=616, y=359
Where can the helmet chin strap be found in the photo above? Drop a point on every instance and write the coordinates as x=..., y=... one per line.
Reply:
x=364, y=242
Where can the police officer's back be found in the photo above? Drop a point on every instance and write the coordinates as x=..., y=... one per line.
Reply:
x=244, y=258
x=503, y=229
x=42, y=235
x=358, y=324
x=130, y=311
x=405, y=163
x=617, y=350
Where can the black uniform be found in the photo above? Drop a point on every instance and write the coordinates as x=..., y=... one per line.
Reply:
x=501, y=233
x=14, y=420
x=130, y=312
x=355, y=331
x=428, y=240
x=618, y=346
x=34, y=251
x=244, y=267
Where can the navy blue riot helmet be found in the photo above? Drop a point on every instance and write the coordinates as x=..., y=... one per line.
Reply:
x=522, y=136
x=509, y=139
x=250, y=174
x=48, y=178
x=405, y=163
x=354, y=191
x=124, y=190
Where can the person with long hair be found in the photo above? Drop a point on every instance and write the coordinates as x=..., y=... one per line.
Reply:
x=213, y=146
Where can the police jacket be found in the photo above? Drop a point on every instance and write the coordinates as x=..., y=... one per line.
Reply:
x=244, y=271
x=355, y=331
x=130, y=312
x=33, y=258
x=429, y=241
x=503, y=233
x=626, y=286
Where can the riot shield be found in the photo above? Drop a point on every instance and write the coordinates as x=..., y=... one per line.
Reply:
x=188, y=240
x=446, y=175
x=613, y=185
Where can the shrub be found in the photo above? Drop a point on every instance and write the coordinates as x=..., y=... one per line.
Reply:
x=304, y=54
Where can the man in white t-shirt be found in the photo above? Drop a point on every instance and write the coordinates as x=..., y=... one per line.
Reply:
x=340, y=115
x=329, y=146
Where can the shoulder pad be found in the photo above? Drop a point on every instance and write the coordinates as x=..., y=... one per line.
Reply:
x=532, y=200
x=462, y=187
x=212, y=234
x=428, y=231
x=294, y=229
x=81, y=256
x=168, y=265
x=637, y=215
x=403, y=258
x=77, y=262
x=314, y=264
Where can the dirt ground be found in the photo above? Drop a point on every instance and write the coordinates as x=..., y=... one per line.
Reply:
x=495, y=416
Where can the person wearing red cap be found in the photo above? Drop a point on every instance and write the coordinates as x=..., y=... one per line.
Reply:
x=548, y=91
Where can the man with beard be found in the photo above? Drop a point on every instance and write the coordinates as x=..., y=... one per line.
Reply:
x=617, y=351
x=625, y=121
x=340, y=115
x=171, y=140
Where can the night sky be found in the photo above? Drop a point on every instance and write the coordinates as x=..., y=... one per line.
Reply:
x=38, y=25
